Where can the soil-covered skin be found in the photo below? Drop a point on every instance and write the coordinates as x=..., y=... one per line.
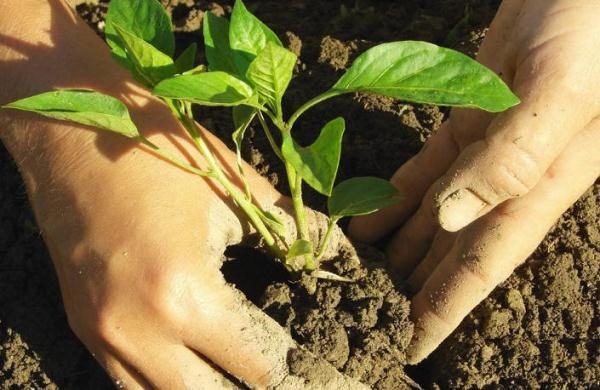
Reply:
x=541, y=328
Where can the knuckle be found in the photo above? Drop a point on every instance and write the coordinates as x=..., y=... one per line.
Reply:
x=507, y=213
x=515, y=173
x=167, y=292
x=106, y=327
x=472, y=264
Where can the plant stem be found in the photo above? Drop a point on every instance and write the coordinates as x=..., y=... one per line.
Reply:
x=269, y=135
x=217, y=174
x=327, y=238
x=295, y=182
x=172, y=159
x=312, y=102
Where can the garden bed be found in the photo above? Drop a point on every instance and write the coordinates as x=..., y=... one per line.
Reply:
x=539, y=328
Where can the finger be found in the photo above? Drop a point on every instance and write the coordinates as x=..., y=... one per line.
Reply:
x=238, y=337
x=412, y=180
x=123, y=376
x=163, y=364
x=480, y=258
x=441, y=245
x=181, y=368
x=408, y=246
x=520, y=144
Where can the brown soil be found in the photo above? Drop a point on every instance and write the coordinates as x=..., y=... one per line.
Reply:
x=361, y=328
x=541, y=328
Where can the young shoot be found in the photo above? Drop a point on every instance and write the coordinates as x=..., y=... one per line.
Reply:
x=249, y=70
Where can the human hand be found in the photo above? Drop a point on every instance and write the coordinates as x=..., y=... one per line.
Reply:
x=497, y=183
x=137, y=243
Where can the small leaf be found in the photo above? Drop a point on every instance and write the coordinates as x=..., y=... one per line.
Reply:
x=425, y=73
x=273, y=222
x=299, y=248
x=152, y=64
x=248, y=36
x=84, y=107
x=326, y=275
x=318, y=163
x=146, y=19
x=216, y=44
x=271, y=73
x=242, y=117
x=360, y=196
x=197, y=69
x=186, y=60
x=209, y=89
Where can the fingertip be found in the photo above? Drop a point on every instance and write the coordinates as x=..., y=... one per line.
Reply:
x=430, y=331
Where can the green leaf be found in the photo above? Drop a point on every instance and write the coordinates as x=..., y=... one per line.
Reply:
x=79, y=106
x=209, y=89
x=216, y=44
x=425, y=73
x=318, y=163
x=146, y=19
x=273, y=222
x=186, y=60
x=248, y=36
x=242, y=117
x=299, y=248
x=196, y=70
x=271, y=73
x=360, y=196
x=151, y=64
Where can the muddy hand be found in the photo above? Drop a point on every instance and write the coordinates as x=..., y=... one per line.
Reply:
x=136, y=242
x=496, y=184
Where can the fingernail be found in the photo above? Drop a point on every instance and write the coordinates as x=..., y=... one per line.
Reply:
x=459, y=209
x=419, y=347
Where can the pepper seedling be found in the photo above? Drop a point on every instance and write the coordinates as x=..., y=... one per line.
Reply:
x=249, y=70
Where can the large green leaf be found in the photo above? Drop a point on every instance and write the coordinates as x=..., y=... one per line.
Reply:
x=146, y=19
x=209, y=89
x=271, y=73
x=185, y=61
x=84, y=107
x=425, y=73
x=216, y=44
x=150, y=63
x=248, y=36
x=317, y=163
x=360, y=196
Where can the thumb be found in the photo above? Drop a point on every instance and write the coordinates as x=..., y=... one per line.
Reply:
x=516, y=151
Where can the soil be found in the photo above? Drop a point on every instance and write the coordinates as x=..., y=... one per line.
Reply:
x=541, y=328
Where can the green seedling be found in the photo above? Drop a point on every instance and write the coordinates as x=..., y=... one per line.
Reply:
x=249, y=70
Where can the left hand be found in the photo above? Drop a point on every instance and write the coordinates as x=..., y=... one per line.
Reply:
x=496, y=184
